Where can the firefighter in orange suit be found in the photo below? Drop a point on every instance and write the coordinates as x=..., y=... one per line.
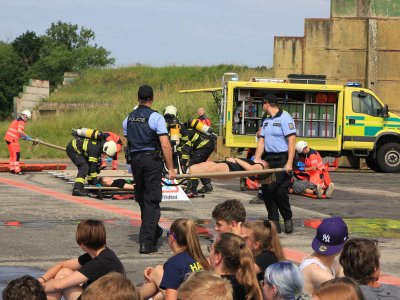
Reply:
x=13, y=134
x=110, y=136
x=314, y=169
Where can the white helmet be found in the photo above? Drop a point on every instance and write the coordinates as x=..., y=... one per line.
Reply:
x=300, y=146
x=110, y=148
x=27, y=113
x=170, y=110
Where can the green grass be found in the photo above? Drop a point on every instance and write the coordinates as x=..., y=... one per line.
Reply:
x=118, y=87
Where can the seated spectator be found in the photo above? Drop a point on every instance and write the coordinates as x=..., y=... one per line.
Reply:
x=69, y=278
x=205, y=286
x=322, y=265
x=113, y=286
x=283, y=281
x=231, y=258
x=263, y=240
x=229, y=216
x=342, y=288
x=313, y=169
x=360, y=262
x=24, y=288
x=188, y=258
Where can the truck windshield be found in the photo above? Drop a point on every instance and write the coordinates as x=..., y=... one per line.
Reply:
x=364, y=103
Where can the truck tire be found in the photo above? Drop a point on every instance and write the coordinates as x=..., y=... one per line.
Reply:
x=388, y=158
x=372, y=164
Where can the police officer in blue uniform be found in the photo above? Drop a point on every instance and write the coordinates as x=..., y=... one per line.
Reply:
x=277, y=146
x=147, y=137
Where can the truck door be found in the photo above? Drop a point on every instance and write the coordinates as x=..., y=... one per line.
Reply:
x=362, y=120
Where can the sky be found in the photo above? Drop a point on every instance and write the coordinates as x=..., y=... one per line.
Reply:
x=171, y=32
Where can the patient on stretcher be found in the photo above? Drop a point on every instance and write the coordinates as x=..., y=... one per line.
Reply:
x=120, y=183
x=231, y=164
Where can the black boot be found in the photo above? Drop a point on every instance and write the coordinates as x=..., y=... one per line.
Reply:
x=191, y=190
x=289, y=226
x=205, y=189
x=79, y=190
x=159, y=233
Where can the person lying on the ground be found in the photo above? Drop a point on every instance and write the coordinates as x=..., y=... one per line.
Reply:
x=312, y=168
x=231, y=164
x=304, y=187
x=127, y=184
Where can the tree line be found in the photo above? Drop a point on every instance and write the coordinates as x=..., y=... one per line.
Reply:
x=63, y=48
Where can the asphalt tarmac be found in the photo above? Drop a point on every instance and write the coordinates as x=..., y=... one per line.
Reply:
x=38, y=220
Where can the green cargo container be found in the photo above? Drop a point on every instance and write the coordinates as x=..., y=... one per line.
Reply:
x=326, y=112
x=296, y=110
x=312, y=112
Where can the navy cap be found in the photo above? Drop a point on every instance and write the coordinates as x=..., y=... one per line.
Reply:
x=331, y=235
x=270, y=98
x=145, y=92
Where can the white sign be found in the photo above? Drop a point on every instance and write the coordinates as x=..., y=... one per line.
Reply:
x=173, y=192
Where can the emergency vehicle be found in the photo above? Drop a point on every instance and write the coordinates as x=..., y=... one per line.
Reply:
x=336, y=120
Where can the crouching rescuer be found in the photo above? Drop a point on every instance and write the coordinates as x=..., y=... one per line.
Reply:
x=86, y=153
x=197, y=145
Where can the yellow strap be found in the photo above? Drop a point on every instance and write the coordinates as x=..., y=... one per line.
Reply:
x=81, y=180
x=93, y=159
x=202, y=143
x=74, y=146
x=195, y=137
x=85, y=145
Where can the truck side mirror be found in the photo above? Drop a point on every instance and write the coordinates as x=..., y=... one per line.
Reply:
x=385, y=111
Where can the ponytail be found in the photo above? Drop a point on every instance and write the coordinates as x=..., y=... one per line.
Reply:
x=276, y=246
x=193, y=245
x=186, y=236
x=246, y=275
x=238, y=259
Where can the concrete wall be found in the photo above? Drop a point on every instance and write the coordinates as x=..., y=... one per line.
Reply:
x=365, y=8
x=32, y=95
x=288, y=49
x=348, y=47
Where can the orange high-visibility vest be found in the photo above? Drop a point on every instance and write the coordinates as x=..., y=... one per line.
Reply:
x=14, y=131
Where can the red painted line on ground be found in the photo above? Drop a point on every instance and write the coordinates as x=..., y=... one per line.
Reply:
x=291, y=254
x=78, y=200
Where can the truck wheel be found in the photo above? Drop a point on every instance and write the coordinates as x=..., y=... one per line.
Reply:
x=388, y=158
x=372, y=164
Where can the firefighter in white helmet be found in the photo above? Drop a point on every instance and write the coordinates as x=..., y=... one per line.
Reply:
x=86, y=153
x=311, y=170
x=14, y=132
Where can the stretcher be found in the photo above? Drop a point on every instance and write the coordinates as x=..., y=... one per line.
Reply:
x=101, y=192
x=264, y=179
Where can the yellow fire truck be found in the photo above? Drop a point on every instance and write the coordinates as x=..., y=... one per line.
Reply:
x=336, y=120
